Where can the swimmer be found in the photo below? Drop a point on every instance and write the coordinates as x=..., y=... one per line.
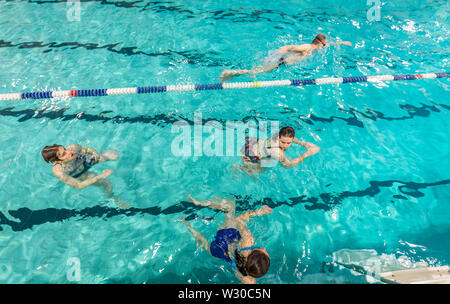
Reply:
x=71, y=165
x=291, y=54
x=233, y=242
x=274, y=147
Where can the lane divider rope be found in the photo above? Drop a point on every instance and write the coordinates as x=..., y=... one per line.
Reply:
x=217, y=86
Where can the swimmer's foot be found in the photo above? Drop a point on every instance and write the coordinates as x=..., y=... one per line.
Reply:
x=194, y=201
x=215, y=204
x=183, y=220
x=122, y=204
x=264, y=210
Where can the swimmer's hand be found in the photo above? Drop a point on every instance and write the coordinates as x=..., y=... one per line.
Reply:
x=196, y=202
x=106, y=173
x=348, y=43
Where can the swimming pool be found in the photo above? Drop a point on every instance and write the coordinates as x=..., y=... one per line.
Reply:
x=380, y=180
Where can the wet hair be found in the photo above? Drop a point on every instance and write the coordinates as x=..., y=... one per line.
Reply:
x=240, y=262
x=49, y=153
x=256, y=264
x=320, y=38
x=287, y=132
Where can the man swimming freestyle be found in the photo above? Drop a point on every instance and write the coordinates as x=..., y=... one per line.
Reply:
x=291, y=54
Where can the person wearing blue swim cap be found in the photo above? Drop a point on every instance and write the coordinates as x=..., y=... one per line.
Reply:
x=233, y=242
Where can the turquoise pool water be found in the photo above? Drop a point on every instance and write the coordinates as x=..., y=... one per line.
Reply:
x=380, y=180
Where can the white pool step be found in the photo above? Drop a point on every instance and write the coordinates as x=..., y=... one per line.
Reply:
x=430, y=275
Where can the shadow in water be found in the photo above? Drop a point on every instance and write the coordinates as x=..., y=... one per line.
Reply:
x=25, y=218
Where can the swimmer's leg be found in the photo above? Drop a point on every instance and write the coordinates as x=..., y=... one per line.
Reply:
x=108, y=155
x=235, y=171
x=265, y=69
x=245, y=169
x=199, y=238
x=259, y=169
x=230, y=217
x=228, y=74
x=218, y=203
x=251, y=169
x=229, y=207
x=107, y=188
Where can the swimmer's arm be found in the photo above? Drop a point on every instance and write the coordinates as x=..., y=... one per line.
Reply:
x=294, y=48
x=73, y=182
x=311, y=148
x=306, y=145
x=245, y=279
x=348, y=43
x=284, y=161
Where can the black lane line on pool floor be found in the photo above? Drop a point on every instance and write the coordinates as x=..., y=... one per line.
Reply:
x=190, y=57
x=164, y=120
x=28, y=218
x=238, y=15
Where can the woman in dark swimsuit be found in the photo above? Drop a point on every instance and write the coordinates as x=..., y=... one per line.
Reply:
x=234, y=243
x=71, y=165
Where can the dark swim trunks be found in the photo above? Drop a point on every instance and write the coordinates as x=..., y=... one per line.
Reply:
x=224, y=237
x=281, y=60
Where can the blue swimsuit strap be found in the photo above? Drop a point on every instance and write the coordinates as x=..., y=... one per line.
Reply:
x=248, y=248
x=86, y=161
x=233, y=262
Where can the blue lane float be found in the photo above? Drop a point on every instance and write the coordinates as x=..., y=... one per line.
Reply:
x=217, y=86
